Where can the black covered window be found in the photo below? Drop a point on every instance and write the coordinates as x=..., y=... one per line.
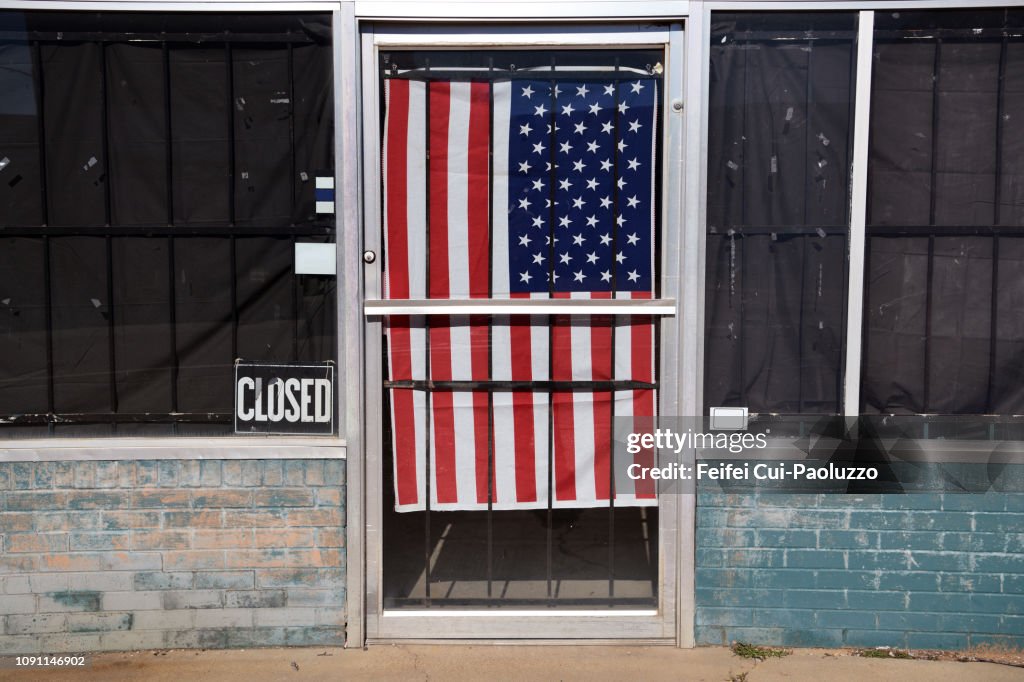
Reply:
x=781, y=99
x=155, y=173
x=944, y=303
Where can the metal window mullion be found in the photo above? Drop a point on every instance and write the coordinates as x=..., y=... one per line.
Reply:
x=37, y=59
x=169, y=198
x=616, y=165
x=426, y=345
x=105, y=135
x=856, y=295
x=552, y=178
x=490, y=330
x=808, y=104
x=230, y=92
x=296, y=301
x=932, y=214
x=996, y=219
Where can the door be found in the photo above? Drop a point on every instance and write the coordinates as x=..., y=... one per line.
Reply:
x=521, y=309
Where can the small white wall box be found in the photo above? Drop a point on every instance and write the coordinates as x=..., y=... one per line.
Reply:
x=316, y=259
x=728, y=418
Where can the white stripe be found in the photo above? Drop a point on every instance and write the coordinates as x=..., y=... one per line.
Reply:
x=327, y=182
x=465, y=447
x=502, y=113
x=542, y=439
x=461, y=350
x=504, y=448
x=416, y=184
x=324, y=207
x=458, y=190
x=419, y=403
x=583, y=427
x=623, y=409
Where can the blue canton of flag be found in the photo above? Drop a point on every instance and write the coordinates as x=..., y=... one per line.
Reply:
x=597, y=166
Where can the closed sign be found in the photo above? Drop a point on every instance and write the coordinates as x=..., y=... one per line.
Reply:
x=284, y=399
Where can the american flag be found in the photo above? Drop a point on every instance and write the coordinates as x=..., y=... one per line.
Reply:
x=563, y=209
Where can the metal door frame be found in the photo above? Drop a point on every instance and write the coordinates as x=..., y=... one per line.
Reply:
x=672, y=621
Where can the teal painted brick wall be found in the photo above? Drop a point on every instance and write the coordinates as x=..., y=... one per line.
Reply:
x=152, y=554
x=927, y=571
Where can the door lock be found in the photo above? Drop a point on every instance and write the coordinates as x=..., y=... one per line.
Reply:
x=369, y=257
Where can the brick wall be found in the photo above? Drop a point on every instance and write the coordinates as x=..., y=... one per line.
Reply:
x=150, y=554
x=918, y=571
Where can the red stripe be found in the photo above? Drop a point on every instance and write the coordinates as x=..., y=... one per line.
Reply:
x=521, y=353
x=643, y=399
x=478, y=200
x=397, y=285
x=602, y=368
x=477, y=190
x=562, y=407
x=441, y=406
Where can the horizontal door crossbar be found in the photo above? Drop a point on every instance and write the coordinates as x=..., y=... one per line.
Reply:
x=521, y=306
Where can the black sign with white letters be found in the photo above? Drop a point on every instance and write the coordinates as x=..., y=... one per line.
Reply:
x=284, y=399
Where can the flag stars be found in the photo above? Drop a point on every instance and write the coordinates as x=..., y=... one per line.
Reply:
x=620, y=221
x=606, y=202
x=635, y=126
x=595, y=108
x=592, y=183
x=581, y=128
x=525, y=129
x=579, y=276
x=578, y=240
x=633, y=201
x=538, y=148
x=567, y=110
x=633, y=164
x=538, y=184
x=606, y=127
x=623, y=107
x=581, y=90
x=538, y=258
x=565, y=258
x=606, y=276
x=592, y=257
x=620, y=257
x=564, y=221
x=609, y=89
x=592, y=221
x=633, y=276
x=524, y=240
x=528, y=91
x=578, y=165
x=637, y=87
x=633, y=239
x=524, y=167
x=538, y=221
x=578, y=202
x=621, y=182
x=524, y=203
x=606, y=239
x=565, y=184
x=525, y=277
x=606, y=165
x=540, y=110
x=566, y=147
x=622, y=145
x=592, y=146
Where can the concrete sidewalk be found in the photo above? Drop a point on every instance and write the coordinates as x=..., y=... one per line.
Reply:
x=586, y=663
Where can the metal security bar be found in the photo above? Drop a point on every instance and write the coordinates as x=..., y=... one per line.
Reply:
x=172, y=232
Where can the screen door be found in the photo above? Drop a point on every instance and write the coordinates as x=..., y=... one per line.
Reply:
x=520, y=236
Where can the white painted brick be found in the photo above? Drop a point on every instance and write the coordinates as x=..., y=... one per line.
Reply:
x=36, y=623
x=68, y=643
x=272, y=617
x=17, y=603
x=48, y=582
x=163, y=620
x=17, y=584
x=224, y=618
x=131, y=601
x=21, y=644
x=107, y=581
x=132, y=640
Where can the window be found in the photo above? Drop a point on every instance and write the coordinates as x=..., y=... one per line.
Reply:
x=944, y=301
x=781, y=106
x=156, y=171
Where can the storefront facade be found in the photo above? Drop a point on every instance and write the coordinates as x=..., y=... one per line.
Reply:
x=318, y=317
